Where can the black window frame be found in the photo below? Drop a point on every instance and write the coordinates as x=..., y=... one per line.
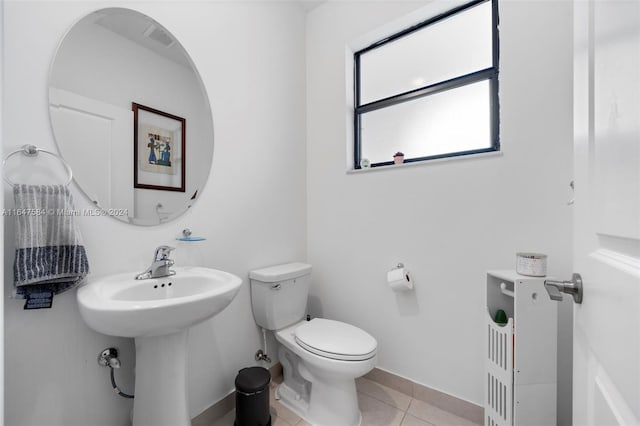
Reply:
x=488, y=74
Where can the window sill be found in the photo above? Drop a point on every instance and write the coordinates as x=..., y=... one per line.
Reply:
x=427, y=162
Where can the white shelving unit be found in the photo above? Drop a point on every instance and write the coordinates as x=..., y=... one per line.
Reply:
x=520, y=363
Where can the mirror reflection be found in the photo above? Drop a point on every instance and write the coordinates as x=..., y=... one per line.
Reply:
x=131, y=117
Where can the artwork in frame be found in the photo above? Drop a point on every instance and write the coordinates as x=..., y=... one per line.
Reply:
x=159, y=149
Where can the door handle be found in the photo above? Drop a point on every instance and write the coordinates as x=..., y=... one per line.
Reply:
x=573, y=287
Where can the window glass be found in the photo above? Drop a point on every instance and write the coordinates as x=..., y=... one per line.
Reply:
x=458, y=45
x=447, y=122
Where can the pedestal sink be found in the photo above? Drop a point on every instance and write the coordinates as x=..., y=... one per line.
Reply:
x=157, y=312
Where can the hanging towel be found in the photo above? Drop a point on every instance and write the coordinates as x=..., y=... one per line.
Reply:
x=50, y=256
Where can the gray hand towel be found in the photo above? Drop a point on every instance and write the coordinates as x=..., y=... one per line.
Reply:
x=50, y=256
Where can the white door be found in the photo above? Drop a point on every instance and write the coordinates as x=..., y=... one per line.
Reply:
x=96, y=139
x=606, y=343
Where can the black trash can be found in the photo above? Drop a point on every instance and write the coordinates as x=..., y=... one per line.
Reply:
x=252, y=397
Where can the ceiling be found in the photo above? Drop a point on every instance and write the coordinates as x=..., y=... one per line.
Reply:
x=148, y=33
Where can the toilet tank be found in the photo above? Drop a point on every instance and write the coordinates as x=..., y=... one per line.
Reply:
x=279, y=294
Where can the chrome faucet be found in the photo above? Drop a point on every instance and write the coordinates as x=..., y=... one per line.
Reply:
x=161, y=265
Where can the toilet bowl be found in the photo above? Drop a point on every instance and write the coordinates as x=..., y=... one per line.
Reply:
x=330, y=366
x=321, y=358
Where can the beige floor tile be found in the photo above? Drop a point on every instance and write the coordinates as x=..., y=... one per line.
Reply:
x=276, y=418
x=435, y=415
x=230, y=417
x=279, y=411
x=383, y=393
x=280, y=422
x=227, y=420
x=379, y=404
x=409, y=420
x=378, y=413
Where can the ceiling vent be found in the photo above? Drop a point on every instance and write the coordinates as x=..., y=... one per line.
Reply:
x=159, y=35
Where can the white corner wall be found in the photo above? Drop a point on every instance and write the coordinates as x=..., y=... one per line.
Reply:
x=448, y=222
x=252, y=211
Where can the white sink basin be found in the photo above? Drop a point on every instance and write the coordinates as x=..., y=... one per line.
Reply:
x=120, y=305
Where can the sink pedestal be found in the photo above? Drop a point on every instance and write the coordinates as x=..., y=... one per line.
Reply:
x=161, y=381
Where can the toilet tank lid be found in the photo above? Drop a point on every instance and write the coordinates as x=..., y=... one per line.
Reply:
x=283, y=272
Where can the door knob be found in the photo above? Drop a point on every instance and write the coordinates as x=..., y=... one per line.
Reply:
x=573, y=287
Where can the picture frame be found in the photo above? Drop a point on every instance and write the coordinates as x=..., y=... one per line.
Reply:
x=159, y=147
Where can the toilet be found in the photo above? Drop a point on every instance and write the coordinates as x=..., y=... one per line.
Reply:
x=321, y=358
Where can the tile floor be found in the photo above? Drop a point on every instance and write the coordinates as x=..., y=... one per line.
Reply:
x=380, y=406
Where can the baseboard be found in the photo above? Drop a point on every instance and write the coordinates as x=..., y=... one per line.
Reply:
x=216, y=411
x=450, y=403
x=226, y=404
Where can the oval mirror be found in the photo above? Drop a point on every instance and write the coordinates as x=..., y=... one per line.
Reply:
x=131, y=116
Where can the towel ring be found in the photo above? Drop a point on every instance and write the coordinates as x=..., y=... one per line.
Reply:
x=31, y=151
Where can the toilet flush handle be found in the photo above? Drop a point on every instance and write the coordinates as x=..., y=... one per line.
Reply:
x=276, y=286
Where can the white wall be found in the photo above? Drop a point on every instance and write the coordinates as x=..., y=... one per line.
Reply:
x=252, y=211
x=448, y=222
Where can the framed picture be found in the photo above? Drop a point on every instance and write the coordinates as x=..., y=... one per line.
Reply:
x=159, y=149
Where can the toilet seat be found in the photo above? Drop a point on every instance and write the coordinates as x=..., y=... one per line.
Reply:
x=335, y=340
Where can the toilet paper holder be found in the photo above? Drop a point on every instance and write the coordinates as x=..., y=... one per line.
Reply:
x=399, y=279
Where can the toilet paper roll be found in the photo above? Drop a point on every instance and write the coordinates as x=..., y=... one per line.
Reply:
x=399, y=279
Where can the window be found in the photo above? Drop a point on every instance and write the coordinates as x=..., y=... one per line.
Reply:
x=430, y=91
